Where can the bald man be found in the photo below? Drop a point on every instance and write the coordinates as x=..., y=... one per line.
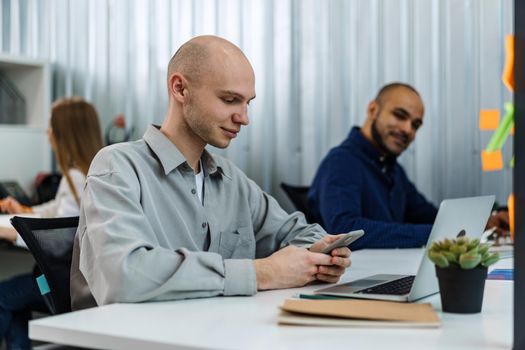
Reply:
x=163, y=219
x=361, y=185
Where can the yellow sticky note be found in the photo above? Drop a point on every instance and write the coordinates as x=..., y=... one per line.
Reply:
x=511, y=131
x=488, y=119
x=491, y=161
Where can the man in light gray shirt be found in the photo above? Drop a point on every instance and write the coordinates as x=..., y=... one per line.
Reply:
x=163, y=219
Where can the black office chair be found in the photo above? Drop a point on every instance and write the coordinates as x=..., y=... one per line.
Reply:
x=51, y=243
x=46, y=187
x=299, y=197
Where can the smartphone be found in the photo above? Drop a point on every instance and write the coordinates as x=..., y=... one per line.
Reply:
x=344, y=241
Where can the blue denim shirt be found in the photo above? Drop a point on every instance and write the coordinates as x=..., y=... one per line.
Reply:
x=357, y=188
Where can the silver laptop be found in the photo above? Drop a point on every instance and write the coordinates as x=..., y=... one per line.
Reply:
x=454, y=215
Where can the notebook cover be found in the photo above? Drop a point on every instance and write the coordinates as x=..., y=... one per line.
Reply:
x=290, y=318
x=371, y=310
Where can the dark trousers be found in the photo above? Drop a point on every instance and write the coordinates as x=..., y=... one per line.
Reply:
x=18, y=296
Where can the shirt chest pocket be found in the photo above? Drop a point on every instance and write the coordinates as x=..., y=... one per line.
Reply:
x=237, y=244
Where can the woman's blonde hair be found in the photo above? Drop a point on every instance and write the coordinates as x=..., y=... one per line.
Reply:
x=76, y=135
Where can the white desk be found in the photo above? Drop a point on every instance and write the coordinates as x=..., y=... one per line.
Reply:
x=5, y=223
x=250, y=322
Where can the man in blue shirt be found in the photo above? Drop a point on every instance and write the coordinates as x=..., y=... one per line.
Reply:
x=360, y=184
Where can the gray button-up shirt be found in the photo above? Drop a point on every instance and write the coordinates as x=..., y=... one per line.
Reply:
x=144, y=235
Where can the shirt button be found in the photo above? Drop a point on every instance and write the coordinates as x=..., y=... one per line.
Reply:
x=204, y=225
x=193, y=191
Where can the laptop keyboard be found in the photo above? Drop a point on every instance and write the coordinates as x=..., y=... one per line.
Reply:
x=397, y=287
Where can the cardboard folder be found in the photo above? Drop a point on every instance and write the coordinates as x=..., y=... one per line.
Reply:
x=368, y=313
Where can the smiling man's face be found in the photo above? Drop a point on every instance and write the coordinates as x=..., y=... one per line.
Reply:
x=396, y=119
x=218, y=106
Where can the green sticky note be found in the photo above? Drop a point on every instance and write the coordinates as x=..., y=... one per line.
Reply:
x=502, y=132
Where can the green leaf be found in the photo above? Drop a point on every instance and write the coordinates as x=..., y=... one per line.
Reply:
x=436, y=247
x=458, y=249
x=492, y=258
x=473, y=250
x=473, y=244
x=438, y=259
x=469, y=261
x=450, y=257
x=484, y=248
x=462, y=240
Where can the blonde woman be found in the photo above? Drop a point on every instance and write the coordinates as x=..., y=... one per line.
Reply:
x=75, y=137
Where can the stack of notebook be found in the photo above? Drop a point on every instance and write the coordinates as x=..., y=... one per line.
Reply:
x=364, y=313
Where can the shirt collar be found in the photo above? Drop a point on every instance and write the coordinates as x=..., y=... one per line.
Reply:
x=212, y=165
x=356, y=139
x=171, y=158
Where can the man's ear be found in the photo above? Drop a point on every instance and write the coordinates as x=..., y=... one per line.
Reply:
x=373, y=108
x=178, y=87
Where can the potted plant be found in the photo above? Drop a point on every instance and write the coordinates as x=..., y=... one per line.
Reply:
x=461, y=269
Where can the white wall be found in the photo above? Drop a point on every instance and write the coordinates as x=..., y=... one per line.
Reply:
x=317, y=63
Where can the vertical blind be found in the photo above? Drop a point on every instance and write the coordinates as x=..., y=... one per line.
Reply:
x=317, y=65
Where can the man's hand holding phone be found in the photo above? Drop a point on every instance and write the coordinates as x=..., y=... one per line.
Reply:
x=336, y=246
x=294, y=267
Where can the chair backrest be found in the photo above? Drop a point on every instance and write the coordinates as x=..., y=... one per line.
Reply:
x=46, y=186
x=299, y=197
x=51, y=243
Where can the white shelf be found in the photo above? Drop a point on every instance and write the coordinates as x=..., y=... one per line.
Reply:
x=31, y=77
x=24, y=148
x=22, y=128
